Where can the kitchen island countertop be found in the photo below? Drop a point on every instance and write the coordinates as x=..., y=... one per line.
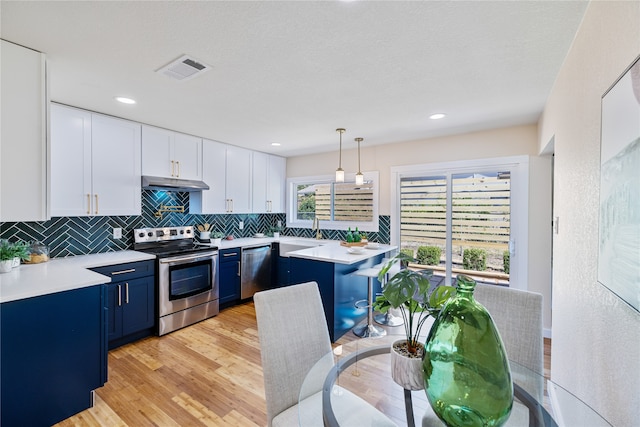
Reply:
x=61, y=274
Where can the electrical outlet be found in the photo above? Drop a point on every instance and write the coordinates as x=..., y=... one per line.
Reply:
x=279, y=224
x=241, y=225
x=117, y=233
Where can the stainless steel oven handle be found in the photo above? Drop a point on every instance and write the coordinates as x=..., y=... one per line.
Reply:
x=199, y=257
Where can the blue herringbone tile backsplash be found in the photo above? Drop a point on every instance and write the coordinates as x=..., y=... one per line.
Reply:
x=67, y=236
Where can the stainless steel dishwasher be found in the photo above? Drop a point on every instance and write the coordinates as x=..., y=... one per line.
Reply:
x=255, y=271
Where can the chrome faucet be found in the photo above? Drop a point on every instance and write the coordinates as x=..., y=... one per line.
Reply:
x=316, y=228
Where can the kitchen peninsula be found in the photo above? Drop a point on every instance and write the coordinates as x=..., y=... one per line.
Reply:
x=332, y=266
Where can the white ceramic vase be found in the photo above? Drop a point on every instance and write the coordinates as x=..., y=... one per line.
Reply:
x=406, y=371
x=6, y=266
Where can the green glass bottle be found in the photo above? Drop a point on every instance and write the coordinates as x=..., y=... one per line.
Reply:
x=466, y=370
x=356, y=236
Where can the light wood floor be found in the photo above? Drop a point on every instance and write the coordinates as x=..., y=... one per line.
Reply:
x=208, y=374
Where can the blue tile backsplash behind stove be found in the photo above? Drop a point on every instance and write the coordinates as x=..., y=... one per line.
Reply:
x=67, y=236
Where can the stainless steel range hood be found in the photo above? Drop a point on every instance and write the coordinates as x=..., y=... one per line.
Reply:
x=172, y=184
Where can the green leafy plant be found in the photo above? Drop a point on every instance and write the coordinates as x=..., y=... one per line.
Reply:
x=217, y=235
x=429, y=255
x=474, y=259
x=9, y=251
x=506, y=261
x=413, y=292
x=407, y=251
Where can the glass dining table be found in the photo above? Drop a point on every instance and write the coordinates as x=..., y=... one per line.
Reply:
x=362, y=368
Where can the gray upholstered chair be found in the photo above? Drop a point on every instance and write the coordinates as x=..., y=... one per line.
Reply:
x=293, y=338
x=518, y=316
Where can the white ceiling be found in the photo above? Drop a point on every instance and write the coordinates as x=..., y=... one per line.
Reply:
x=292, y=72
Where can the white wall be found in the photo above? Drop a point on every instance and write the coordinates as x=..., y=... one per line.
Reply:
x=512, y=141
x=596, y=336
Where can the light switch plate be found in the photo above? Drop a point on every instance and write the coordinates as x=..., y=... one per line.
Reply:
x=117, y=233
x=241, y=225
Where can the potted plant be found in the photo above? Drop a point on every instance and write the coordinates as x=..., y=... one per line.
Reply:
x=412, y=292
x=11, y=254
x=216, y=238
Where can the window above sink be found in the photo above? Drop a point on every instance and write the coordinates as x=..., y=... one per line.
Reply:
x=338, y=206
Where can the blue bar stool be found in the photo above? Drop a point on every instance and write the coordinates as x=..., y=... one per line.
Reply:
x=368, y=329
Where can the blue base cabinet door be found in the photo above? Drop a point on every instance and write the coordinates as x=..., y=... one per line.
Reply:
x=54, y=354
x=229, y=276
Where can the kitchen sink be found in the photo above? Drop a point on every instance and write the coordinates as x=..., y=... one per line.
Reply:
x=295, y=245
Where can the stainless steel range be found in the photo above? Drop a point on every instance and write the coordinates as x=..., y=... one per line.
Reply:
x=187, y=275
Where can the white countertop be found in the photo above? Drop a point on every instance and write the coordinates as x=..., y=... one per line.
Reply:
x=61, y=274
x=332, y=251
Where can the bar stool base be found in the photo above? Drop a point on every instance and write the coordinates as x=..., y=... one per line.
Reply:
x=388, y=319
x=369, y=331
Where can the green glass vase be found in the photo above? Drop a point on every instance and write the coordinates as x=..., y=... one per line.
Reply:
x=466, y=370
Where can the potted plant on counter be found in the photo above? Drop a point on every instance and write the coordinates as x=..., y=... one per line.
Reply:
x=412, y=292
x=11, y=254
x=216, y=238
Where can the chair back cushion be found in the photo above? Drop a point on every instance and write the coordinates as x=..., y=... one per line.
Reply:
x=518, y=317
x=293, y=336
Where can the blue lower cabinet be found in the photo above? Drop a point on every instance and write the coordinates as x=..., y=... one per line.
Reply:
x=54, y=353
x=229, y=277
x=131, y=301
x=339, y=289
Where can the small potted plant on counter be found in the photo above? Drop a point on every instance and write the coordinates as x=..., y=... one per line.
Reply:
x=216, y=238
x=11, y=254
x=412, y=292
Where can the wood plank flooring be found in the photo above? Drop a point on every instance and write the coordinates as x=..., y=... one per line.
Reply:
x=208, y=374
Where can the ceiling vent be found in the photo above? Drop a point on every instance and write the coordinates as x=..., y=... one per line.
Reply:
x=184, y=68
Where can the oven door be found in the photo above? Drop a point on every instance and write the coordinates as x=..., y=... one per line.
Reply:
x=186, y=281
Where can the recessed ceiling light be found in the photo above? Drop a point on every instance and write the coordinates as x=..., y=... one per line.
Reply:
x=275, y=144
x=125, y=100
x=437, y=116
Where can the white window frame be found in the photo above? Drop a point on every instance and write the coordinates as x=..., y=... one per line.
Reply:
x=292, y=222
x=519, y=239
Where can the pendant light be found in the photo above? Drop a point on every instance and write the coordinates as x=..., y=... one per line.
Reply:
x=359, y=175
x=340, y=171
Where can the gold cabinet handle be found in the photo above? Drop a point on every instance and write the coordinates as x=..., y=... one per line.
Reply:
x=173, y=167
x=131, y=270
x=119, y=295
x=88, y=204
x=178, y=174
x=126, y=293
x=96, y=204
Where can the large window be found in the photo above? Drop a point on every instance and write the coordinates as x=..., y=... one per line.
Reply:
x=458, y=218
x=337, y=205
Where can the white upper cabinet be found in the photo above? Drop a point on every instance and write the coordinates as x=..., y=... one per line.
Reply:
x=227, y=171
x=24, y=161
x=95, y=164
x=269, y=174
x=171, y=154
x=238, y=179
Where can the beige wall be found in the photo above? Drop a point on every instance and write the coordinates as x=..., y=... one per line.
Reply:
x=596, y=337
x=512, y=141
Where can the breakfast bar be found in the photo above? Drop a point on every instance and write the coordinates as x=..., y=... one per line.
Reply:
x=332, y=265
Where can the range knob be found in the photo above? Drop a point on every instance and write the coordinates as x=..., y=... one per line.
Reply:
x=188, y=231
x=181, y=231
x=140, y=234
x=150, y=234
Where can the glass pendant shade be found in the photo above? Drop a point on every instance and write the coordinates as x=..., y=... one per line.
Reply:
x=340, y=171
x=359, y=175
x=466, y=371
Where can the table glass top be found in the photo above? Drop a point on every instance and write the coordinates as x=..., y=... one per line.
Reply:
x=368, y=377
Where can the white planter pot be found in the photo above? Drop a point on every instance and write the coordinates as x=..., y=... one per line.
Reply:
x=16, y=262
x=216, y=242
x=6, y=266
x=406, y=371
